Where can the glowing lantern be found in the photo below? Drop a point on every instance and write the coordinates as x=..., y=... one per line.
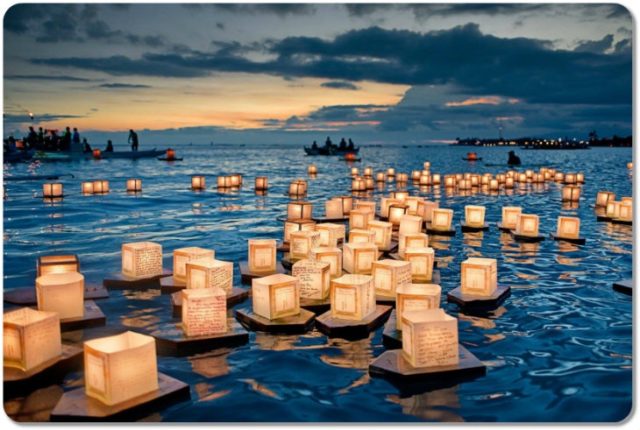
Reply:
x=412, y=203
x=30, y=338
x=421, y=260
x=604, y=197
x=570, y=193
x=580, y=178
x=425, y=180
x=416, y=297
x=352, y=297
x=87, y=188
x=97, y=154
x=385, y=204
x=134, y=185
x=389, y=275
x=411, y=240
x=630, y=165
x=429, y=338
x=435, y=178
x=479, y=276
x=299, y=210
x=570, y=178
x=474, y=215
x=410, y=224
x=366, y=204
x=100, y=187
x=357, y=258
x=119, y=368
x=522, y=178
x=415, y=175
x=396, y=212
x=141, y=259
x=391, y=172
x=510, y=216
x=568, y=227
x=527, y=225
x=508, y=183
x=301, y=243
x=52, y=190
x=182, y=256
x=613, y=209
x=359, y=218
x=358, y=184
x=441, y=219
x=48, y=264
x=313, y=277
x=204, y=311
x=347, y=204
x=625, y=212
x=354, y=171
x=210, y=274
x=261, y=183
x=485, y=179
x=425, y=209
x=198, y=183
x=426, y=165
x=494, y=185
x=333, y=256
x=312, y=169
x=380, y=177
x=627, y=200
x=368, y=171
x=333, y=208
x=382, y=233
x=292, y=225
x=358, y=235
x=475, y=180
x=276, y=296
x=236, y=179
x=262, y=255
x=559, y=177
x=402, y=178
x=224, y=181
x=170, y=154
x=330, y=233
x=297, y=188
x=501, y=178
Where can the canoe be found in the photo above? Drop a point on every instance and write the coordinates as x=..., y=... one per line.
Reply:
x=69, y=156
x=18, y=156
x=322, y=150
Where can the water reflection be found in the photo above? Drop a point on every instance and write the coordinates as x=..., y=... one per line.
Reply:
x=438, y=405
x=212, y=364
x=351, y=354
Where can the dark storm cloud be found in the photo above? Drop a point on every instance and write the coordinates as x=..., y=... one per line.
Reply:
x=24, y=118
x=279, y=9
x=341, y=85
x=118, y=85
x=597, y=46
x=47, y=78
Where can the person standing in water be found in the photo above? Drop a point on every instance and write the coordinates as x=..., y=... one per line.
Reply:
x=514, y=160
x=133, y=140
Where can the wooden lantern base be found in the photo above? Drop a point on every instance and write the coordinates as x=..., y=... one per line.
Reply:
x=75, y=405
x=297, y=324
x=169, y=285
x=171, y=340
x=248, y=276
x=19, y=382
x=351, y=330
x=522, y=238
x=472, y=228
x=26, y=296
x=577, y=241
x=325, y=219
x=624, y=286
x=503, y=228
x=118, y=281
x=476, y=303
x=438, y=232
x=93, y=317
x=602, y=218
x=235, y=296
x=391, y=336
x=317, y=306
x=620, y=221
x=170, y=159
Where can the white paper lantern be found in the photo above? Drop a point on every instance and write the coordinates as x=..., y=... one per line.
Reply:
x=52, y=190
x=410, y=224
x=359, y=218
x=474, y=215
x=479, y=276
x=297, y=225
x=301, y=242
x=527, y=225
x=411, y=240
x=441, y=219
x=299, y=210
x=510, y=216
x=331, y=255
x=30, y=338
x=141, y=259
x=382, y=231
x=421, y=260
x=47, y=264
x=388, y=275
x=330, y=233
x=416, y=297
x=275, y=296
x=352, y=297
x=62, y=293
x=357, y=258
x=429, y=338
x=198, y=182
x=134, y=185
x=210, y=274
x=182, y=256
x=204, y=311
x=262, y=255
x=313, y=277
x=358, y=235
x=568, y=227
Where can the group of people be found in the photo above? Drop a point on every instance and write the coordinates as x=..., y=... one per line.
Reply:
x=50, y=140
x=342, y=146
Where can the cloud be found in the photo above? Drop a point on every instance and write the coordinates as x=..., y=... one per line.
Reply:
x=117, y=85
x=279, y=9
x=342, y=85
x=596, y=46
x=47, y=78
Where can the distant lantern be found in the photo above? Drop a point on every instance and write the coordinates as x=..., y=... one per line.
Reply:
x=625, y=212
x=368, y=171
x=292, y=225
x=359, y=235
x=355, y=171
x=333, y=208
x=347, y=204
x=380, y=177
x=204, y=312
x=510, y=216
x=475, y=180
x=312, y=169
x=352, y=297
x=501, y=178
x=429, y=338
x=527, y=225
x=411, y=240
x=382, y=233
x=630, y=165
x=62, y=293
x=558, y=177
x=613, y=209
x=494, y=185
x=30, y=338
x=580, y=178
x=134, y=185
x=331, y=255
x=410, y=224
x=474, y=215
x=313, y=277
x=261, y=183
x=170, y=154
x=449, y=181
x=416, y=297
x=299, y=210
x=484, y=180
x=425, y=209
x=48, y=264
x=297, y=188
x=357, y=258
x=415, y=175
x=210, y=274
x=508, y=183
x=224, y=181
x=52, y=190
x=441, y=219
x=396, y=212
x=100, y=186
x=568, y=227
x=435, y=178
x=275, y=296
x=627, y=200
x=87, y=187
x=402, y=178
x=366, y=204
x=570, y=178
x=141, y=259
x=262, y=255
x=522, y=178
x=391, y=172
x=182, y=256
x=421, y=260
x=570, y=193
x=330, y=233
x=604, y=197
x=359, y=218
x=388, y=275
x=236, y=179
x=479, y=276
x=198, y=182
x=120, y=368
x=301, y=243
x=358, y=184
x=369, y=183
x=425, y=180
x=97, y=154
x=400, y=195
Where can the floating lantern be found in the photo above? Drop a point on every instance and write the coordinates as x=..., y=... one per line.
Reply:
x=292, y=225
x=411, y=240
x=359, y=218
x=354, y=171
x=396, y=212
x=358, y=235
x=333, y=208
x=627, y=200
x=625, y=212
x=391, y=172
x=330, y=233
x=410, y=224
x=52, y=190
x=347, y=204
x=522, y=178
x=369, y=183
x=412, y=203
x=210, y=274
x=415, y=175
x=366, y=204
x=134, y=185
x=301, y=242
x=400, y=196
x=402, y=178
x=313, y=278
x=299, y=210
x=141, y=259
x=426, y=165
x=479, y=276
x=276, y=296
x=425, y=180
x=352, y=297
x=357, y=258
x=198, y=182
x=494, y=185
x=510, y=216
x=100, y=187
x=568, y=227
x=358, y=184
x=527, y=225
x=368, y=171
x=435, y=179
x=297, y=188
x=421, y=260
x=558, y=177
x=182, y=256
x=613, y=210
x=501, y=178
x=604, y=197
x=87, y=188
x=580, y=178
x=224, y=182
x=475, y=180
x=388, y=275
x=97, y=154
x=570, y=193
x=429, y=338
x=441, y=219
x=484, y=180
x=382, y=233
x=236, y=179
x=380, y=177
x=425, y=209
x=120, y=368
x=262, y=255
x=630, y=165
x=508, y=183
x=385, y=203
x=48, y=264
x=331, y=255
x=570, y=178
x=170, y=155
x=416, y=297
x=261, y=183
x=30, y=338
x=204, y=312
x=474, y=215
x=312, y=169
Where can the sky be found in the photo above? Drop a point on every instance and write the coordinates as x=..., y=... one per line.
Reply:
x=378, y=73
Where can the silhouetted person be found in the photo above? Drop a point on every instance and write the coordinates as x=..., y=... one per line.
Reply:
x=32, y=138
x=40, y=137
x=351, y=147
x=133, y=140
x=315, y=145
x=514, y=160
x=343, y=143
x=328, y=142
x=109, y=147
x=75, y=139
x=65, y=143
x=85, y=145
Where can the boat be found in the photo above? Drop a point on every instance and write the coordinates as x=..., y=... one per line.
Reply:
x=18, y=156
x=72, y=156
x=330, y=150
x=472, y=159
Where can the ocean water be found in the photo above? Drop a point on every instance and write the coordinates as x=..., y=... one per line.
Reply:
x=559, y=349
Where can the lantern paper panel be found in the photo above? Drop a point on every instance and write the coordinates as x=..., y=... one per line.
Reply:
x=119, y=368
x=134, y=185
x=527, y=225
x=330, y=233
x=429, y=338
x=411, y=240
x=301, y=242
x=62, y=293
x=101, y=186
x=412, y=203
x=441, y=219
x=352, y=297
x=262, y=255
x=297, y=225
x=210, y=274
x=357, y=258
x=382, y=231
x=52, y=190
x=510, y=216
x=30, y=338
x=425, y=209
x=604, y=197
x=87, y=188
x=331, y=255
x=275, y=296
x=47, y=264
x=410, y=224
x=261, y=183
x=416, y=297
x=198, y=182
x=204, y=311
x=359, y=218
x=182, y=256
x=421, y=260
x=347, y=204
x=625, y=212
x=570, y=193
x=479, y=276
x=474, y=215
x=385, y=204
x=299, y=210
x=613, y=209
x=388, y=275
x=142, y=259
x=313, y=277
x=358, y=235
x=333, y=208
x=396, y=212
x=366, y=204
